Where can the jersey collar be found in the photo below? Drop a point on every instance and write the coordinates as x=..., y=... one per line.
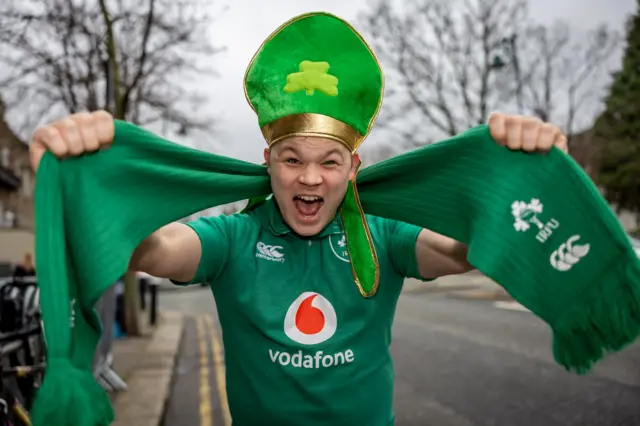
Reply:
x=278, y=226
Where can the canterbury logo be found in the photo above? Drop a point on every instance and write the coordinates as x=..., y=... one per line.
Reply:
x=269, y=252
x=568, y=254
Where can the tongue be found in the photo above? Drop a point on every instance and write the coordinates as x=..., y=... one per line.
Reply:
x=307, y=208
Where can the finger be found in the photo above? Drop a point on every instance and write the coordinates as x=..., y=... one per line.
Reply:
x=46, y=138
x=530, y=134
x=514, y=132
x=562, y=143
x=88, y=132
x=70, y=135
x=497, y=128
x=548, y=134
x=35, y=155
x=105, y=129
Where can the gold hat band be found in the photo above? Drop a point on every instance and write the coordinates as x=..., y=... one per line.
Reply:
x=310, y=124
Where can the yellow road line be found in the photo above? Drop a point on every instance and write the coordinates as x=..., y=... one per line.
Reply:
x=205, y=392
x=218, y=365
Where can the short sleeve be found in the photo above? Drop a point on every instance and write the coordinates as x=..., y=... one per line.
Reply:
x=214, y=237
x=401, y=242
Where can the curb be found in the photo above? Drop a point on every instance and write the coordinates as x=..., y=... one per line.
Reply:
x=426, y=288
x=167, y=286
x=470, y=285
x=481, y=294
x=149, y=387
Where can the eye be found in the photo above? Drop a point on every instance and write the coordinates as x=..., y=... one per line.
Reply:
x=292, y=161
x=330, y=163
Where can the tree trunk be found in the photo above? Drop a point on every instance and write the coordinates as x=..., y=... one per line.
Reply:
x=131, y=297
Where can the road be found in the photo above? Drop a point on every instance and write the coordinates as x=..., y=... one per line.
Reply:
x=458, y=363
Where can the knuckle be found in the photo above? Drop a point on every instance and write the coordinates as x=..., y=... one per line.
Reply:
x=45, y=135
x=82, y=118
x=551, y=128
x=532, y=123
x=66, y=125
x=104, y=126
x=40, y=135
x=82, y=115
x=101, y=115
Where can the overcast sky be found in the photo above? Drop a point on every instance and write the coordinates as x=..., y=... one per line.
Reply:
x=247, y=23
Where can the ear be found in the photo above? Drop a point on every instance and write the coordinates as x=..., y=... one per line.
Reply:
x=355, y=163
x=266, y=160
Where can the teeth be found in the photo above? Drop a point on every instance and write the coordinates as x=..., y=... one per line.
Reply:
x=308, y=197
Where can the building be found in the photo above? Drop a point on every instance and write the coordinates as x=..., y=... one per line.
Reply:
x=16, y=197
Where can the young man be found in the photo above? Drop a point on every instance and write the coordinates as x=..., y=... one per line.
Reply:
x=303, y=346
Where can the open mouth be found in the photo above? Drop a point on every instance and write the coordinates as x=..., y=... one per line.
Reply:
x=308, y=206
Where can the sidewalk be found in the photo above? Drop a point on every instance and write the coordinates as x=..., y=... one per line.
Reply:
x=146, y=365
x=472, y=285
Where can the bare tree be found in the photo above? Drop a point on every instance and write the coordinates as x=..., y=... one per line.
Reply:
x=564, y=72
x=439, y=62
x=133, y=58
x=450, y=63
x=66, y=56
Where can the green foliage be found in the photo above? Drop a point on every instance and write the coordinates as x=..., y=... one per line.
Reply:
x=618, y=128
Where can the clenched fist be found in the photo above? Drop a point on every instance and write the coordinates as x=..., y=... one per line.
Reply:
x=72, y=136
x=526, y=133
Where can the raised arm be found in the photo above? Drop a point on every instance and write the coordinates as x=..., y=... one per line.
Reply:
x=172, y=252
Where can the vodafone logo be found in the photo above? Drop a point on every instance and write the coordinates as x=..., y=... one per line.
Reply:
x=310, y=319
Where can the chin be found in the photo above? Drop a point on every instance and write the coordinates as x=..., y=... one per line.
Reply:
x=305, y=229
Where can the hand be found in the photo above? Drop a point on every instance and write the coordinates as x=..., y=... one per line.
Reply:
x=526, y=133
x=72, y=136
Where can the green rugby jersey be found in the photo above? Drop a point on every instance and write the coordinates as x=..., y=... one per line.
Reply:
x=302, y=346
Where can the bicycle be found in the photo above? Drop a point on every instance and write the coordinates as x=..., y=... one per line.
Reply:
x=13, y=411
x=22, y=351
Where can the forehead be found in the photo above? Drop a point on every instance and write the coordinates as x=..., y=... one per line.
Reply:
x=311, y=145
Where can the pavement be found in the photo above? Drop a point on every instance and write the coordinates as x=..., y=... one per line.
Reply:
x=146, y=364
x=465, y=354
x=472, y=285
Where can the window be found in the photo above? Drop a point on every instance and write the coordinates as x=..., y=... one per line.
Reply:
x=4, y=159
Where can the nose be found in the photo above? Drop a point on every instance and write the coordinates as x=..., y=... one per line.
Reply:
x=311, y=176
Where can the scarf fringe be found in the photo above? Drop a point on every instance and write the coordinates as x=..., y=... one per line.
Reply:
x=606, y=320
x=70, y=396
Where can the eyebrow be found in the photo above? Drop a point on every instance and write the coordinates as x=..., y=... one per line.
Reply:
x=335, y=151
x=296, y=152
x=289, y=148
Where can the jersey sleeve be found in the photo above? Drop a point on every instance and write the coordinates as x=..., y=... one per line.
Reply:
x=213, y=233
x=401, y=242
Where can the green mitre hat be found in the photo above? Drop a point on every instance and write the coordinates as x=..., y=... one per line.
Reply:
x=315, y=76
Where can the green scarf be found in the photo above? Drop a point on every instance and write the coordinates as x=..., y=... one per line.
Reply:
x=565, y=257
